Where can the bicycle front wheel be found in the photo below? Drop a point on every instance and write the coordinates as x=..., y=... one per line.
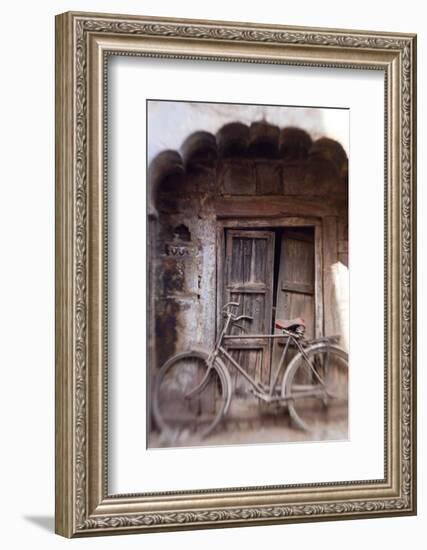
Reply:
x=189, y=395
x=315, y=387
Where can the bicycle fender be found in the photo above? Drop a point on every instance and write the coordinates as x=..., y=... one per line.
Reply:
x=229, y=383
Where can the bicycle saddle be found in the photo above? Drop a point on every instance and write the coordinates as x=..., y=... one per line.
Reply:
x=289, y=324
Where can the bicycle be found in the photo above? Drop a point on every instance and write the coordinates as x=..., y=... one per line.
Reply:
x=193, y=389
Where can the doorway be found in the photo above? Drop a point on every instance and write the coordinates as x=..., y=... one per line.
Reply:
x=270, y=272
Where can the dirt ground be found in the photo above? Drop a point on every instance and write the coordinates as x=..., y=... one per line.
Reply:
x=263, y=429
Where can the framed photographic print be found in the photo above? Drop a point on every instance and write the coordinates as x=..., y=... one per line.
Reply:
x=235, y=274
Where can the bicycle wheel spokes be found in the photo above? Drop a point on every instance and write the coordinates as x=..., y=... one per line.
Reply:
x=189, y=396
x=316, y=387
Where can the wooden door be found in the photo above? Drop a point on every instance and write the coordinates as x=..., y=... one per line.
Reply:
x=295, y=286
x=295, y=293
x=249, y=280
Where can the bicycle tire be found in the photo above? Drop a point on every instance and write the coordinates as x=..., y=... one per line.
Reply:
x=318, y=404
x=175, y=411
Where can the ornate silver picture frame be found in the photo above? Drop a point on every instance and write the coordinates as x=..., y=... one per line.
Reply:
x=84, y=504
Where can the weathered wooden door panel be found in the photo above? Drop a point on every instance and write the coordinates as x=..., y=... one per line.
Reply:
x=254, y=305
x=249, y=275
x=249, y=281
x=296, y=281
x=295, y=289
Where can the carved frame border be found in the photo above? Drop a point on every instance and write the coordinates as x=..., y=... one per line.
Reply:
x=83, y=42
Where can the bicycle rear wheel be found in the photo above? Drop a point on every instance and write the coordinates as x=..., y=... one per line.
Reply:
x=189, y=397
x=316, y=390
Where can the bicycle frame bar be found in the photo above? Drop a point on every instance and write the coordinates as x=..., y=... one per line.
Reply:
x=219, y=349
x=240, y=369
x=279, y=368
x=260, y=392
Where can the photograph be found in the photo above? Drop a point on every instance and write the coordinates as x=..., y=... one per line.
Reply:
x=248, y=273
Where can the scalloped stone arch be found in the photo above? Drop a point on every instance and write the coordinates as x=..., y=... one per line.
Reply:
x=259, y=141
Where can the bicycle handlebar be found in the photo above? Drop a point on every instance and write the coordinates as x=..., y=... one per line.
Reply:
x=240, y=317
x=247, y=317
x=229, y=304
